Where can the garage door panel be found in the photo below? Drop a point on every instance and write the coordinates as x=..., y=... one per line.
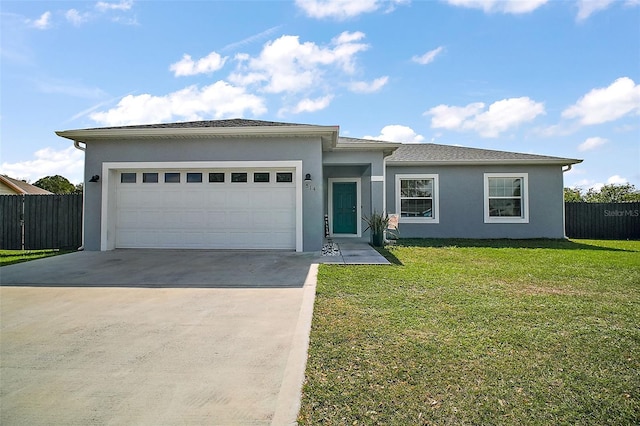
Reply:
x=206, y=215
x=194, y=199
x=171, y=198
x=171, y=218
x=128, y=218
x=239, y=199
x=195, y=219
x=148, y=238
x=151, y=219
x=151, y=199
x=238, y=219
x=216, y=219
x=216, y=198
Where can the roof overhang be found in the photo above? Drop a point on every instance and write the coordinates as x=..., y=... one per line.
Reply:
x=365, y=145
x=328, y=134
x=539, y=162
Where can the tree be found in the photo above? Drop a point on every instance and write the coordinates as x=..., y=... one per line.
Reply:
x=573, y=195
x=56, y=184
x=613, y=193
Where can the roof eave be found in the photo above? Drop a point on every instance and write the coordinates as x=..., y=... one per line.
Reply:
x=541, y=162
x=329, y=134
x=367, y=146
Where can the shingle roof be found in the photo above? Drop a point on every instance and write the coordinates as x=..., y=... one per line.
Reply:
x=435, y=153
x=234, y=122
x=342, y=139
x=22, y=187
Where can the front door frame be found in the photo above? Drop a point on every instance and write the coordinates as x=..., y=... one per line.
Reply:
x=358, y=183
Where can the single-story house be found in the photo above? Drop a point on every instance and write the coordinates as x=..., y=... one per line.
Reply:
x=251, y=184
x=11, y=186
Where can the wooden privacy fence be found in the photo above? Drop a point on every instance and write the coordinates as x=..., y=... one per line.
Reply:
x=33, y=222
x=613, y=221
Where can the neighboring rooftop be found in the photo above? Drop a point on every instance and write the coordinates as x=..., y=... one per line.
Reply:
x=20, y=187
x=435, y=153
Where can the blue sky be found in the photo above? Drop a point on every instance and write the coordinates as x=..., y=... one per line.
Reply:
x=557, y=78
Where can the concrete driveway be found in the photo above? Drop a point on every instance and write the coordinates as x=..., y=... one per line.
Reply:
x=155, y=337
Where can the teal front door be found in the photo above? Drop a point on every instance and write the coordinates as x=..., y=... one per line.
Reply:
x=345, y=202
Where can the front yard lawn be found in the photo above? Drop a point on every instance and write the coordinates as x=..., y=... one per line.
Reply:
x=8, y=257
x=479, y=333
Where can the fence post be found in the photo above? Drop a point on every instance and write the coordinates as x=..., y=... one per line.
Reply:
x=22, y=199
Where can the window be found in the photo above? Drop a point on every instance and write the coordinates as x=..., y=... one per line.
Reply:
x=261, y=177
x=284, y=177
x=417, y=198
x=216, y=177
x=505, y=198
x=172, y=178
x=194, y=177
x=150, y=178
x=238, y=177
x=127, y=178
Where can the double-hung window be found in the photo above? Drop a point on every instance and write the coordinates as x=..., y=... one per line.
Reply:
x=417, y=198
x=506, y=198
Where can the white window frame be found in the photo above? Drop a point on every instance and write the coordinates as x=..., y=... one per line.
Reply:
x=435, y=209
x=524, y=197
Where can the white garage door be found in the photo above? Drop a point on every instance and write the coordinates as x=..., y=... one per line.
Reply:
x=221, y=209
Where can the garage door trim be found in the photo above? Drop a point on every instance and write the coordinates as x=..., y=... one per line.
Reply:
x=110, y=174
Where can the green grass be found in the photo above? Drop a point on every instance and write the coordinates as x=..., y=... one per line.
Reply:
x=8, y=257
x=479, y=333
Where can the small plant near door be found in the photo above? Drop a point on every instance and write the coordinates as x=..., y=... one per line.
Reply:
x=378, y=223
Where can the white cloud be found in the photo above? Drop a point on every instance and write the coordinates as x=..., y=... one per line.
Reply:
x=187, y=66
x=123, y=5
x=397, y=133
x=618, y=180
x=592, y=143
x=428, y=57
x=453, y=117
x=501, y=116
x=588, y=7
x=368, y=87
x=343, y=9
x=500, y=6
x=75, y=17
x=68, y=162
x=311, y=105
x=286, y=65
x=218, y=100
x=610, y=103
x=43, y=22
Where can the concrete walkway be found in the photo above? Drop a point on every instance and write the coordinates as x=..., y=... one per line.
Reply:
x=354, y=251
x=155, y=337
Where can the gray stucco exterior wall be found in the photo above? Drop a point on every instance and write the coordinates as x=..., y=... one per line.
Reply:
x=461, y=203
x=305, y=149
